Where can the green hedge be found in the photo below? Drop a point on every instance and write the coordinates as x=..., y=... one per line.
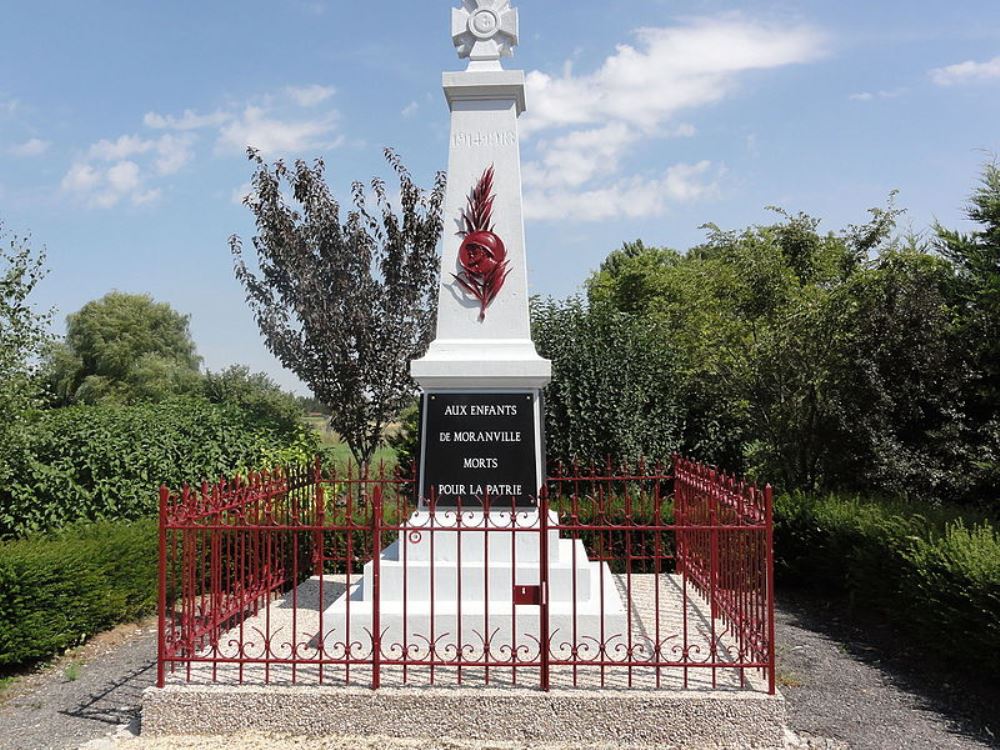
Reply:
x=935, y=576
x=95, y=463
x=57, y=590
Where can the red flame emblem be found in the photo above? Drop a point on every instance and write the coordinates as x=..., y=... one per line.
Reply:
x=482, y=254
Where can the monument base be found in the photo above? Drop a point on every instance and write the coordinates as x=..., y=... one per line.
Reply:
x=582, y=718
x=475, y=582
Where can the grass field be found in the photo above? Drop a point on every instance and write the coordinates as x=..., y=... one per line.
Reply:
x=336, y=446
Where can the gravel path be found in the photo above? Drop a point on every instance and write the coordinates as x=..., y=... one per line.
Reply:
x=84, y=695
x=848, y=681
x=844, y=686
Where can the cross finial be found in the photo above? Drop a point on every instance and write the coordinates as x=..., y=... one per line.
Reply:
x=484, y=31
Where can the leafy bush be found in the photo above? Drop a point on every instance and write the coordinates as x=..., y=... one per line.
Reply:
x=106, y=462
x=613, y=391
x=22, y=339
x=836, y=361
x=936, y=576
x=255, y=393
x=57, y=590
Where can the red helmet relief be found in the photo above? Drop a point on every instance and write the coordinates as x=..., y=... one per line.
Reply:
x=482, y=254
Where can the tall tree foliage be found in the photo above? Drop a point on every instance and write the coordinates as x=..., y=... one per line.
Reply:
x=976, y=256
x=344, y=303
x=256, y=394
x=613, y=393
x=846, y=359
x=123, y=348
x=23, y=334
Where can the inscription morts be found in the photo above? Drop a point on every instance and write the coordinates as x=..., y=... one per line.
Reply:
x=477, y=445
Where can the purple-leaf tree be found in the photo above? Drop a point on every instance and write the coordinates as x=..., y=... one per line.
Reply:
x=344, y=302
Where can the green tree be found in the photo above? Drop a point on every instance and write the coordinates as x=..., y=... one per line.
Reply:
x=23, y=335
x=255, y=393
x=976, y=256
x=344, y=304
x=613, y=393
x=631, y=277
x=816, y=359
x=123, y=348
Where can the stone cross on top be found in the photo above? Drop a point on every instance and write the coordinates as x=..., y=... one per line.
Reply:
x=484, y=31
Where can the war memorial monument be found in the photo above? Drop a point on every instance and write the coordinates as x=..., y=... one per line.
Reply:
x=492, y=611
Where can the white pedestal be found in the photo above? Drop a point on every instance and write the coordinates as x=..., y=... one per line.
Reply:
x=469, y=575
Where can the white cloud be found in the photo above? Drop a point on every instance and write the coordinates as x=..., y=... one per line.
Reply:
x=115, y=170
x=31, y=147
x=670, y=69
x=173, y=152
x=189, y=120
x=635, y=95
x=131, y=167
x=123, y=176
x=106, y=187
x=867, y=96
x=240, y=193
x=122, y=148
x=310, y=96
x=270, y=122
x=577, y=157
x=969, y=71
x=147, y=196
x=258, y=128
x=81, y=177
x=631, y=197
x=410, y=109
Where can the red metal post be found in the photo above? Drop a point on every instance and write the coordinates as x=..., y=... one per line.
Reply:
x=769, y=553
x=320, y=518
x=543, y=578
x=161, y=638
x=376, y=588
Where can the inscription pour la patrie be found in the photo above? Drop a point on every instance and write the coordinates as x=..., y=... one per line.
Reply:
x=479, y=445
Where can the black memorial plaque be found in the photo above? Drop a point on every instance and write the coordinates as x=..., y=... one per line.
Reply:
x=477, y=445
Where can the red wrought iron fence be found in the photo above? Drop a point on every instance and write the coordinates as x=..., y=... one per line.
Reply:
x=654, y=577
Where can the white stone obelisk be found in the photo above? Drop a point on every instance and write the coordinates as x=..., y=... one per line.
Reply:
x=485, y=101
x=445, y=580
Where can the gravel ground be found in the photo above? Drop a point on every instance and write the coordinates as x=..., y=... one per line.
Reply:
x=296, y=619
x=86, y=694
x=845, y=687
x=847, y=679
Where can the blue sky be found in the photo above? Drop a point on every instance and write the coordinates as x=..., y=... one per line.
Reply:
x=123, y=125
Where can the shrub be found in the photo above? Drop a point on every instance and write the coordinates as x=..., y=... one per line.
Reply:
x=89, y=463
x=614, y=389
x=57, y=590
x=936, y=576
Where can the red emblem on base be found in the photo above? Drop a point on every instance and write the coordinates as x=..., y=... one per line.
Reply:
x=482, y=254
